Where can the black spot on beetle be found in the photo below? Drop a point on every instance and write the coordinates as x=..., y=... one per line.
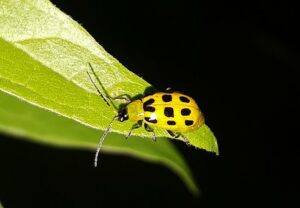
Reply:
x=188, y=122
x=149, y=102
x=169, y=112
x=184, y=99
x=185, y=111
x=149, y=108
x=167, y=98
x=150, y=120
x=171, y=123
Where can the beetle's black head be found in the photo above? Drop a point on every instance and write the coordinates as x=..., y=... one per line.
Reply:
x=122, y=114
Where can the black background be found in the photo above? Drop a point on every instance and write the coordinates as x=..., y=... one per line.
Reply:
x=238, y=60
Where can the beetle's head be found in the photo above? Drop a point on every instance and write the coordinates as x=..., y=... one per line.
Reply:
x=122, y=114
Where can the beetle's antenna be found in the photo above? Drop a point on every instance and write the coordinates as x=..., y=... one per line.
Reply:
x=97, y=89
x=101, y=141
x=105, y=97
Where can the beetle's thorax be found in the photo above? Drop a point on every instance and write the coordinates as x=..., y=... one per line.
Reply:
x=135, y=110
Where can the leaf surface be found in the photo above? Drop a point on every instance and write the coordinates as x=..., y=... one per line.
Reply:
x=44, y=57
x=35, y=124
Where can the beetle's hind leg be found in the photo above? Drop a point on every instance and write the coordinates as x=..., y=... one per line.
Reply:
x=134, y=126
x=185, y=140
x=175, y=135
x=149, y=129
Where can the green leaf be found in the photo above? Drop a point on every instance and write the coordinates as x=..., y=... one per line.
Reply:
x=1, y=205
x=44, y=56
x=44, y=59
x=32, y=123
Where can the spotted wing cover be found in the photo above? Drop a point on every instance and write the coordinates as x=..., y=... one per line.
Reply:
x=172, y=111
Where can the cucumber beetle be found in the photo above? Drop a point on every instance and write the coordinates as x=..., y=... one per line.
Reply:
x=175, y=112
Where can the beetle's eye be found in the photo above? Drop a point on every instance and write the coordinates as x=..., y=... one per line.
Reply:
x=122, y=115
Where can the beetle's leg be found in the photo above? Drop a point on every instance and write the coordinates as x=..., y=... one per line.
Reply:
x=125, y=98
x=177, y=135
x=169, y=89
x=134, y=126
x=185, y=140
x=173, y=134
x=149, y=129
x=149, y=91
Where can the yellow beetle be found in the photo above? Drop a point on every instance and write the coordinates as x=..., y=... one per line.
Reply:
x=175, y=112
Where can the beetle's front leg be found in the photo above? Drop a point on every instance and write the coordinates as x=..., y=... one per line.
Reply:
x=134, y=126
